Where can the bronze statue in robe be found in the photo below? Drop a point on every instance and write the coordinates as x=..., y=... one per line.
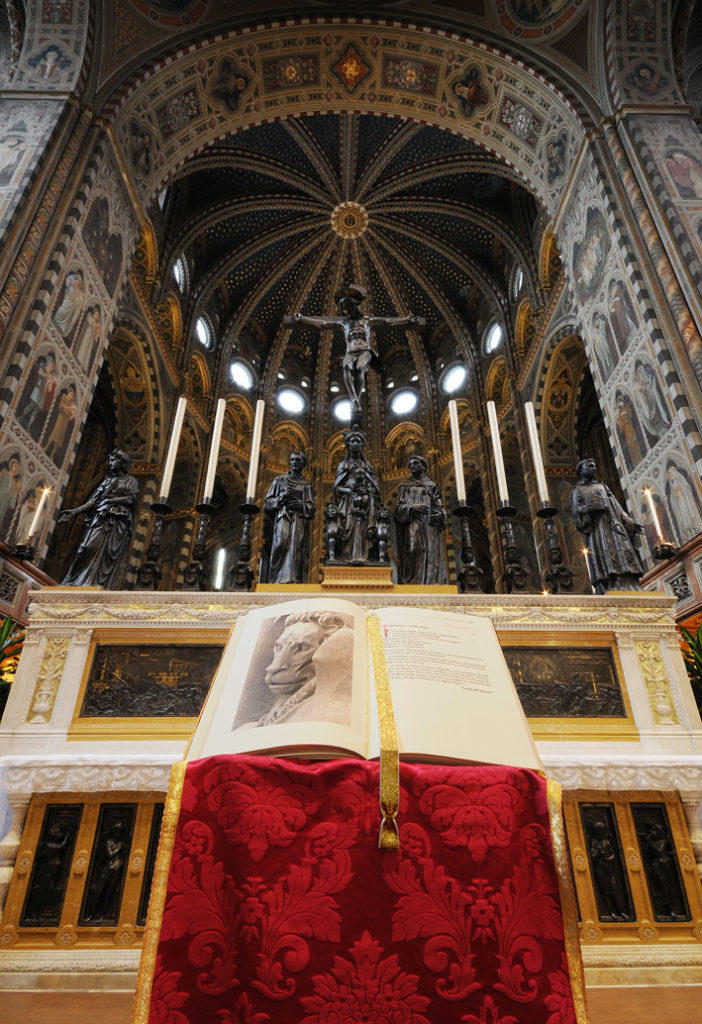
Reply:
x=613, y=562
x=420, y=519
x=108, y=528
x=288, y=510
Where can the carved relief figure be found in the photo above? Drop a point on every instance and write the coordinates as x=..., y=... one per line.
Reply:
x=105, y=885
x=288, y=511
x=608, y=531
x=421, y=519
x=108, y=528
x=621, y=313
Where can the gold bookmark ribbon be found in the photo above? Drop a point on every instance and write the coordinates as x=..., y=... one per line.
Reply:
x=389, y=838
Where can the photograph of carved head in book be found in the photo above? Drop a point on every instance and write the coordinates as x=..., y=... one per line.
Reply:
x=149, y=680
x=570, y=682
x=301, y=671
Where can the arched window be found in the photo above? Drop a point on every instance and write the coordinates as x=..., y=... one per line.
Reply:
x=493, y=338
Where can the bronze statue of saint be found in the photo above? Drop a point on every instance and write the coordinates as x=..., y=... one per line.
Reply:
x=612, y=560
x=421, y=518
x=108, y=528
x=288, y=511
x=357, y=328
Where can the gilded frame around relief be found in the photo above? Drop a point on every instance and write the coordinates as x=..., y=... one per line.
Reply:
x=134, y=727
x=68, y=931
x=644, y=926
x=582, y=727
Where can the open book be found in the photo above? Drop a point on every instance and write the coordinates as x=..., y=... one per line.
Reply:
x=297, y=679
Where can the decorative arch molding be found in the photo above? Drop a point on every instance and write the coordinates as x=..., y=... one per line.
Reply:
x=238, y=423
x=198, y=96
x=558, y=406
x=136, y=391
x=286, y=437
x=405, y=439
x=497, y=385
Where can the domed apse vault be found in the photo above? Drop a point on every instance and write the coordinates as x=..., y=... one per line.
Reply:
x=276, y=218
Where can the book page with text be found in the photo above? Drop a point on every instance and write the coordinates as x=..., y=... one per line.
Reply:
x=452, y=693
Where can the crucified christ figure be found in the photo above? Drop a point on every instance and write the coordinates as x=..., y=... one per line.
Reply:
x=357, y=328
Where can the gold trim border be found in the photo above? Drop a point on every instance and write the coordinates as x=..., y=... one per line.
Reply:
x=389, y=838
x=157, y=900
x=568, y=905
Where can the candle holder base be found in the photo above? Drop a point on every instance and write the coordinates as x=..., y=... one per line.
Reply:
x=469, y=577
x=560, y=576
x=515, y=574
x=150, y=575
x=197, y=573
x=25, y=552
x=242, y=575
x=664, y=550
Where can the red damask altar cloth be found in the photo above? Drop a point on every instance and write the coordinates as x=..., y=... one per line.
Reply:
x=272, y=902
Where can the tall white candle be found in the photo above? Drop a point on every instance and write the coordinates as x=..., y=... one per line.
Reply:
x=214, y=449
x=497, y=453
x=457, y=453
x=654, y=514
x=35, y=519
x=255, y=451
x=173, y=448
x=536, y=453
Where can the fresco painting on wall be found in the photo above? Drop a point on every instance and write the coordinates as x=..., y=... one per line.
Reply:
x=589, y=255
x=48, y=63
x=685, y=170
x=604, y=345
x=57, y=12
x=646, y=79
x=682, y=501
x=70, y=303
x=89, y=338
x=11, y=489
x=629, y=433
x=104, y=246
x=38, y=395
x=13, y=146
x=621, y=312
x=556, y=157
x=61, y=425
x=650, y=404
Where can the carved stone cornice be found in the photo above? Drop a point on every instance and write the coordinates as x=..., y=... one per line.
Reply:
x=86, y=775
